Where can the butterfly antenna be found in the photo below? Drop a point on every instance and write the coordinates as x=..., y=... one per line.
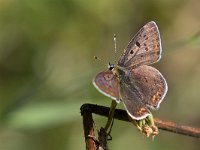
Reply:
x=115, y=46
x=97, y=58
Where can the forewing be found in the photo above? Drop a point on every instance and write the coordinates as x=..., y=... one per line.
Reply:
x=132, y=100
x=151, y=84
x=106, y=83
x=144, y=48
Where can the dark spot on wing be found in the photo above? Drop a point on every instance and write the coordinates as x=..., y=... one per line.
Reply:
x=142, y=56
x=146, y=48
x=145, y=44
x=131, y=52
x=146, y=38
x=144, y=35
x=145, y=79
x=108, y=77
x=137, y=43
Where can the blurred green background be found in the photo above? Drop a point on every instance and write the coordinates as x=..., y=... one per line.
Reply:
x=46, y=68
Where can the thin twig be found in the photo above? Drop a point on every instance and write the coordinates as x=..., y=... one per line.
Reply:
x=111, y=114
x=181, y=129
x=164, y=125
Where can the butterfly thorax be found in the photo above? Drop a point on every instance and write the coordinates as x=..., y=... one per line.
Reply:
x=121, y=74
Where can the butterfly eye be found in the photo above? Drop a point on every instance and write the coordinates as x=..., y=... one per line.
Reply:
x=110, y=66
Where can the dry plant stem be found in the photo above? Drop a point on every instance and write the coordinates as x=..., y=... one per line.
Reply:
x=111, y=115
x=164, y=125
x=181, y=129
x=88, y=129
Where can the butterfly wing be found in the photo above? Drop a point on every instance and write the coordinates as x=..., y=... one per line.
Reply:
x=132, y=100
x=146, y=88
x=151, y=84
x=107, y=84
x=144, y=48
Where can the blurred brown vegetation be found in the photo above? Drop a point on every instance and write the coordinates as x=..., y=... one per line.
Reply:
x=46, y=68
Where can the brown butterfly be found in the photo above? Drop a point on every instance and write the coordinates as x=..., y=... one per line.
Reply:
x=131, y=81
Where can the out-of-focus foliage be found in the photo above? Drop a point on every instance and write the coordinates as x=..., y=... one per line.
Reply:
x=46, y=68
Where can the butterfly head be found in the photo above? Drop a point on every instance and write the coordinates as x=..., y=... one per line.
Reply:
x=113, y=68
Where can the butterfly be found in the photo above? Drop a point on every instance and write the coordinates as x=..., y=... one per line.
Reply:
x=131, y=80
